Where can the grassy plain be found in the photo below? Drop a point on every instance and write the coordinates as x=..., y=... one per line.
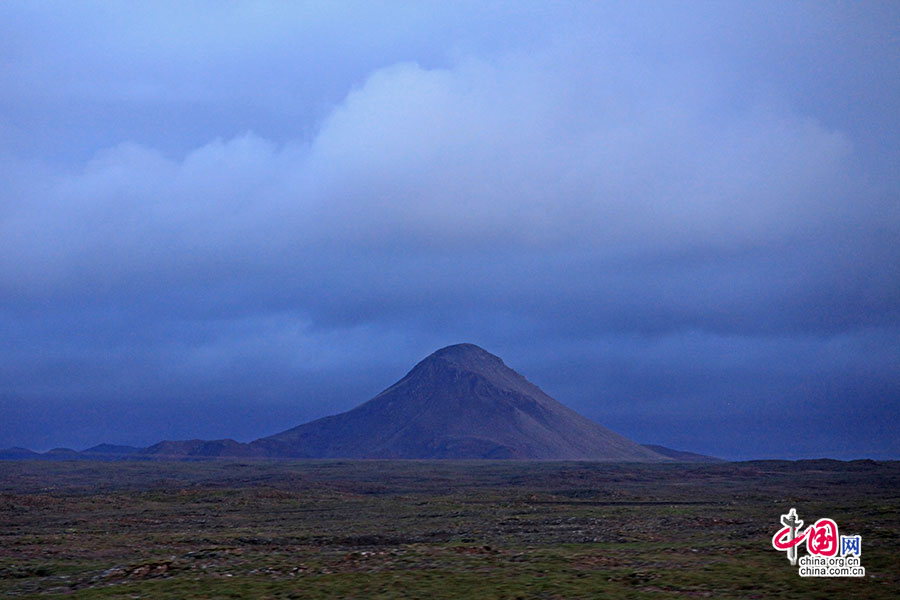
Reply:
x=414, y=529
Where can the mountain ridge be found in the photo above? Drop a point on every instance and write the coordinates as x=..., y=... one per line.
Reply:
x=460, y=402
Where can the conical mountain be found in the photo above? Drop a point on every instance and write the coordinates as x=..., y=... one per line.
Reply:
x=460, y=402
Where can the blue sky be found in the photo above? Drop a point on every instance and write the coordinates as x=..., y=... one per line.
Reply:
x=225, y=219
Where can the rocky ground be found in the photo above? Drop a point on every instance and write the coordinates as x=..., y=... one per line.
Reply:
x=415, y=529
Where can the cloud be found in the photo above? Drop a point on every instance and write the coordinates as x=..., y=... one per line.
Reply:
x=497, y=186
x=514, y=154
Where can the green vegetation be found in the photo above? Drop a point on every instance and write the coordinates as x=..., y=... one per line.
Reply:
x=419, y=529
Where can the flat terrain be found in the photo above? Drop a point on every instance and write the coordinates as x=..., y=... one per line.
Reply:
x=412, y=529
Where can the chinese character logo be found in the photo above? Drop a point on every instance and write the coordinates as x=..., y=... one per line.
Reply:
x=830, y=554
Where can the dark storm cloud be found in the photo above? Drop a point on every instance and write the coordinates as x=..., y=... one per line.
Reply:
x=276, y=212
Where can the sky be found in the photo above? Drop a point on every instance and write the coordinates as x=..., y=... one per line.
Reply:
x=224, y=219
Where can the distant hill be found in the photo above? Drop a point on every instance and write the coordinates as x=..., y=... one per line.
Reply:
x=201, y=449
x=62, y=453
x=17, y=454
x=111, y=449
x=682, y=456
x=460, y=402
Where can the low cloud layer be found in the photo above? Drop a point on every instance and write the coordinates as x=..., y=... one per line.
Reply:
x=653, y=237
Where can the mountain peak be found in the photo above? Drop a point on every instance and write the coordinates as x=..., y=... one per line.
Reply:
x=465, y=355
x=464, y=349
x=454, y=361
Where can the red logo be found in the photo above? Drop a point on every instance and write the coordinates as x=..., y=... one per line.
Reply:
x=821, y=538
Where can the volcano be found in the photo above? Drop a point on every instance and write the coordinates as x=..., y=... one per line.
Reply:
x=460, y=402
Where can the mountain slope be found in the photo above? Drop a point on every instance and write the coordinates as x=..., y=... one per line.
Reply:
x=460, y=402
